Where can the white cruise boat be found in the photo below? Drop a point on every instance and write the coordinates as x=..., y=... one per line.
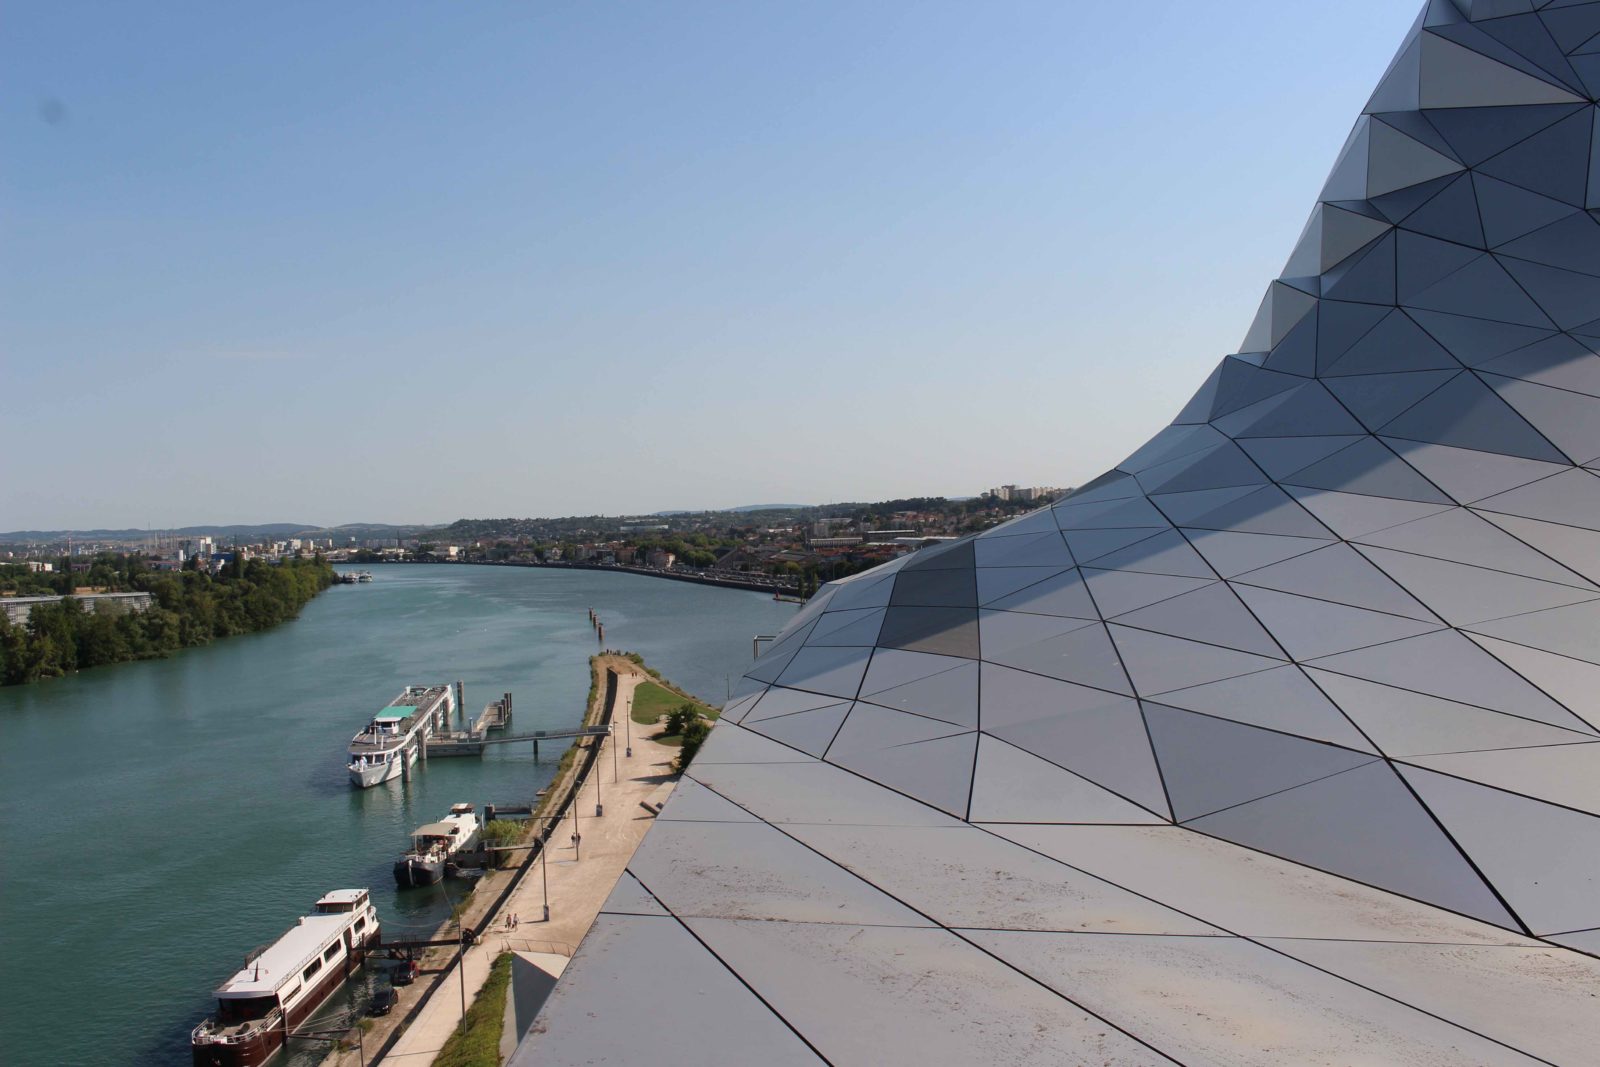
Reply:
x=280, y=986
x=435, y=845
x=393, y=739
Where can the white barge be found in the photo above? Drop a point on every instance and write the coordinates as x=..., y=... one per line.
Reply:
x=395, y=737
x=282, y=985
x=436, y=845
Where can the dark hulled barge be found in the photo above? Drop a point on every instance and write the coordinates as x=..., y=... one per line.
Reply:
x=436, y=845
x=281, y=986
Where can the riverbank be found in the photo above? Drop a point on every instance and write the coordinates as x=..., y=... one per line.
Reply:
x=751, y=583
x=251, y=733
x=180, y=611
x=596, y=817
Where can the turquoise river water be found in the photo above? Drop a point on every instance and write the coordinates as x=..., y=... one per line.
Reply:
x=158, y=820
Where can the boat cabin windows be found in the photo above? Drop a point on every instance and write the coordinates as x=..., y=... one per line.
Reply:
x=312, y=969
x=341, y=901
x=232, y=1010
x=332, y=951
x=359, y=925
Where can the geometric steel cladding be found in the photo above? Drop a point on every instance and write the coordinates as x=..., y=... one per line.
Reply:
x=1277, y=744
x=1385, y=506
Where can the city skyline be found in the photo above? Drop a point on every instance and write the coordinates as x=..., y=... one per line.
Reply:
x=494, y=261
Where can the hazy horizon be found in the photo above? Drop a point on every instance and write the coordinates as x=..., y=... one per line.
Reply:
x=434, y=524
x=508, y=260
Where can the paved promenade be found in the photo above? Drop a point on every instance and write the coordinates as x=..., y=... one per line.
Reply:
x=580, y=877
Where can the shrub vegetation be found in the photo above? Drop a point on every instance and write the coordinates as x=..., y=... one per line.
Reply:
x=479, y=1044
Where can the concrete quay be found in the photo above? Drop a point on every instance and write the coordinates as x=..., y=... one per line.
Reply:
x=580, y=877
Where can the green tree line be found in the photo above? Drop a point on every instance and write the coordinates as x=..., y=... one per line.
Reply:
x=189, y=608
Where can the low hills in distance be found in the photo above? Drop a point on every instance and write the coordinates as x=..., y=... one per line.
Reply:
x=243, y=532
x=742, y=510
x=359, y=530
x=464, y=530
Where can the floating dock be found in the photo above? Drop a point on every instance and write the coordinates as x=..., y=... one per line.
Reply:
x=496, y=715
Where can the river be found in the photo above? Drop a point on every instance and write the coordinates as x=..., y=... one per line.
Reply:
x=158, y=820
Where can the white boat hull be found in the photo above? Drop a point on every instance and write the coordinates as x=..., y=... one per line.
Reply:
x=368, y=775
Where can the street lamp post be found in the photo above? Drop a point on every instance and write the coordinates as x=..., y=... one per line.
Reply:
x=599, y=809
x=627, y=724
x=544, y=870
x=461, y=966
x=613, y=741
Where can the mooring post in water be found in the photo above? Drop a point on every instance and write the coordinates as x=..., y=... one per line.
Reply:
x=536, y=750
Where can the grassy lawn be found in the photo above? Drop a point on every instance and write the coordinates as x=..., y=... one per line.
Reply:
x=480, y=1045
x=651, y=701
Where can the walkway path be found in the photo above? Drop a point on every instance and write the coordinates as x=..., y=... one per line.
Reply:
x=580, y=877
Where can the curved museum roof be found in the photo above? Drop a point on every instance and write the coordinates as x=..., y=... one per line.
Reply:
x=1275, y=744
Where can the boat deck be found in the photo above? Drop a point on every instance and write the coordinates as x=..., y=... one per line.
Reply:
x=380, y=742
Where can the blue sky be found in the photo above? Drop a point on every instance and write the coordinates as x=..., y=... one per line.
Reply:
x=410, y=262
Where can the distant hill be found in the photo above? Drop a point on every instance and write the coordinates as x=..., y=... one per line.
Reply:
x=265, y=529
x=673, y=513
x=730, y=511
x=245, y=532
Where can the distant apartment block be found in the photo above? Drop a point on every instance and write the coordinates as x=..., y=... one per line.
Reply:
x=19, y=608
x=833, y=542
x=1024, y=494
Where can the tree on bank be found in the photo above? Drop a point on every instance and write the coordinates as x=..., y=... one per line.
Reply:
x=189, y=608
x=686, y=723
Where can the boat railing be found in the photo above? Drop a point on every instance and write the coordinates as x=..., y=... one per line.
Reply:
x=378, y=739
x=207, y=1033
